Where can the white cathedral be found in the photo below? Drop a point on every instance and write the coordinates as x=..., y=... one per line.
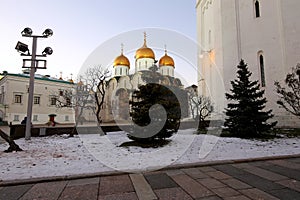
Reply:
x=122, y=84
x=266, y=34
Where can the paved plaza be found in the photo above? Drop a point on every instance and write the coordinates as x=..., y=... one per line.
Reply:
x=263, y=179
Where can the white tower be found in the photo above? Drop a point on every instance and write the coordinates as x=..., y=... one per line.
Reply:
x=121, y=65
x=263, y=33
x=144, y=57
x=166, y=65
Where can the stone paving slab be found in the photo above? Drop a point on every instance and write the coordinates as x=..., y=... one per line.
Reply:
x=291, y=173
x=218, y=175
x=211, y=183
x=49, y=191
x=207, y=169
x=294, y=160
x=259, y=182
x=236, y=184
x=286, y=193
x=251, y=180
x=195, y=173
x=239, y=197
x=284, y=163
x=172, y=193
x=226, y=192
x=80, y=192
x=160, y=181
x=265, y=174
x=255, y=194
x=115, y=185
x=142, y=188
x=191, y=186
x=14, y=192
x=215, y=197
x=291, y=183
x=85, y=181
x=122, y=196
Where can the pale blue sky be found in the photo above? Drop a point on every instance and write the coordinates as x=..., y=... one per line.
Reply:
x=81, y=26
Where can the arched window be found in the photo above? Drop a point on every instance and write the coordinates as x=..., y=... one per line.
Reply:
x=261, y=61
x=257, y=8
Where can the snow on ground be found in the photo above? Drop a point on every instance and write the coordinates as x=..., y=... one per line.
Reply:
x=91, y=153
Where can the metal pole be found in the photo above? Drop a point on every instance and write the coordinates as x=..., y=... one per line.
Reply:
x=31, y=90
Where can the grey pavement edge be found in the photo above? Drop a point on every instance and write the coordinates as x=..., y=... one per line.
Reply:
x=109, y=173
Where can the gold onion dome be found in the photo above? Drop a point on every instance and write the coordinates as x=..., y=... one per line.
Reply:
x=166, y=60
x=121, y=60
x=144, y=51
x=80, y=83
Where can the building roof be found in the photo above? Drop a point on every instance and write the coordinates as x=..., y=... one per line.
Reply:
x=37, y=77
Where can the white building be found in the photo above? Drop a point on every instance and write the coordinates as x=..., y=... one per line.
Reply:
x=14, y=98
x=262, y=32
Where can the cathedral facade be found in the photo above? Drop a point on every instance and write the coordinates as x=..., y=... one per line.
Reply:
x=264, y=33
x=120, y=87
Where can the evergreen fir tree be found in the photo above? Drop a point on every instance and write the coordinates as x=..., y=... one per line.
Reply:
x=245, y=113
x=150, y=94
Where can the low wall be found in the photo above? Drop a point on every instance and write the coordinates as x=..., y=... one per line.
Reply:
x=18, y=130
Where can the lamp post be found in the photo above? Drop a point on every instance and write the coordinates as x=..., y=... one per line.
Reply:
x=23, y=48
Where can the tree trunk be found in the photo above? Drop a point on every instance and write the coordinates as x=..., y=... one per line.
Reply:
x=12, y=145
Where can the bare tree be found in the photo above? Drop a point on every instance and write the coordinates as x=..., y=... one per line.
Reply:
x=201, y=108
x=89, y=93
x=289, y=98
x=96, y=83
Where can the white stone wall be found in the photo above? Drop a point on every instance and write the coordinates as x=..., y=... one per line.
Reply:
x=167, y=70
x=121, y=70
x=143, y=64
x=228, y=30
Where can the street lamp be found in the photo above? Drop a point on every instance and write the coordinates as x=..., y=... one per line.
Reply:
x=23, y=49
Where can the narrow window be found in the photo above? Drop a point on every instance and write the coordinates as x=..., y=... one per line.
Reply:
x=36, y=100
x=68, y=102
x=35, y=118
x=257, y=8
x=262, y=70
x=120, y=71
x=16, y=117
x=18, y=98
x=52, y=101
x=209, y=37
x=67, y=118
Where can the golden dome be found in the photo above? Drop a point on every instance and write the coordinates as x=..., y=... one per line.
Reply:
x=80, y=83
x=121, y=60
x=166, y=60
x=144, y=51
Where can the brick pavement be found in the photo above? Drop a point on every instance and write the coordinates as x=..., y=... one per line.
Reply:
x=269, y=179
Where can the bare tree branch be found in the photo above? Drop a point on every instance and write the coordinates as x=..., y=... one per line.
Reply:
x=289, y=98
